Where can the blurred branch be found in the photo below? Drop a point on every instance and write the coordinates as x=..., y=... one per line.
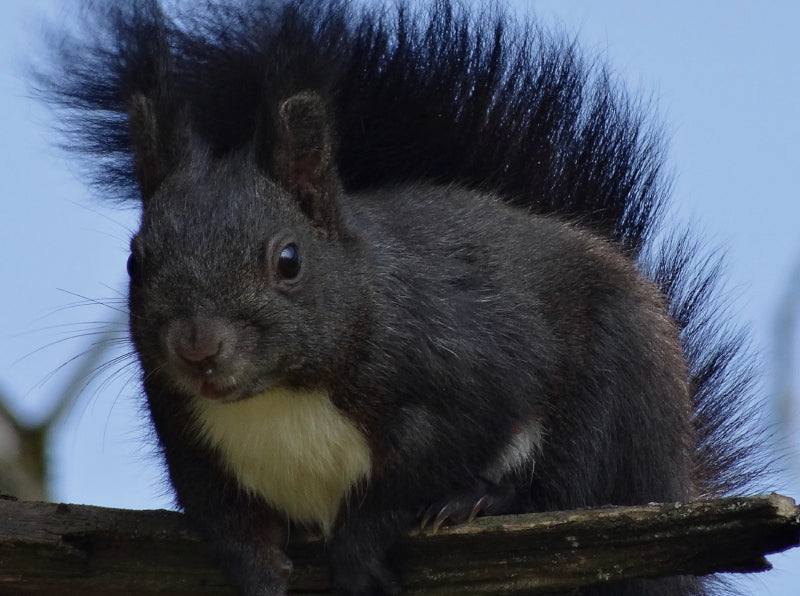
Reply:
x=787, y=326
x=23, y=466
x=23, y=454
x=48, y=548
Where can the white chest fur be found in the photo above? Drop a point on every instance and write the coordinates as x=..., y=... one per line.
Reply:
x=293, y=448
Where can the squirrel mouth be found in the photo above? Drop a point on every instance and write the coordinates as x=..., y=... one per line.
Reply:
x=232, y=391
x=211, y=391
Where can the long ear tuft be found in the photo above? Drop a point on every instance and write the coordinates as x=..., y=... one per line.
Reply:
x=149, y=160
x=160, y=137
x=303, y=159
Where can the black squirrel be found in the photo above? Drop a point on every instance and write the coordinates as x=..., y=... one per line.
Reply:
x=396, y=266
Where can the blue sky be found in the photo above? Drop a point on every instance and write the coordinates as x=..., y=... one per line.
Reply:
x=724, y=77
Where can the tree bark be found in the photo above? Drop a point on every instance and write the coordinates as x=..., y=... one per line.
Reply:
x=48, y=548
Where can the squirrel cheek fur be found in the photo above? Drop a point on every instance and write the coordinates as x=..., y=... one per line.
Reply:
x=359, y=294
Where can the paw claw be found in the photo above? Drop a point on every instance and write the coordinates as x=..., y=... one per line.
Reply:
x=435, y=516
x=466, y=505
x=480, y=505
x=443, y=516
x=426, y=519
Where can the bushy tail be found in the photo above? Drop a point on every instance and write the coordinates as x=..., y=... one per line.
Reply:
x=731, y=439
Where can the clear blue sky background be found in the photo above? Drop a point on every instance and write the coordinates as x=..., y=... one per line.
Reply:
x=725, y=77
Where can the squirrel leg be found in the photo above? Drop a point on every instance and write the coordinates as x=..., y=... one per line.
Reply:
x=246, y=538
x=483, y=498
x=360, y=549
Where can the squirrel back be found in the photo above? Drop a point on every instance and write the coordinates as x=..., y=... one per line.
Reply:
x=390, y=262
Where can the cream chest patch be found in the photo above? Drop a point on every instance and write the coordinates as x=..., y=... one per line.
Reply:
x=293, y=448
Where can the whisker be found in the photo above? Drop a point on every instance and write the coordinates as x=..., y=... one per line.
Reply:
x=108, y=303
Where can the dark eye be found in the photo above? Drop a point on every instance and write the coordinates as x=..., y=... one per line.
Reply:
x=289, y=262
x=133, y=267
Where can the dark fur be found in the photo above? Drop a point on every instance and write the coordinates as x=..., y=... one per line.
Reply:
x=438, y=319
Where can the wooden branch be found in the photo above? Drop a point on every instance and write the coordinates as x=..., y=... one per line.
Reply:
x=48, y=548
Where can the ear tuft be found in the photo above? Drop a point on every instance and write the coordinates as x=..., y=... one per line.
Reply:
x=303, y=159
x=306, y=138
x=149, y=160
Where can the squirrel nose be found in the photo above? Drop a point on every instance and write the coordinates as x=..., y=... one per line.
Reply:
x=202, y=357
x=198, y=343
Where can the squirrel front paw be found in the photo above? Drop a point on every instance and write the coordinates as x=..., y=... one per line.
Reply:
x=484, y=498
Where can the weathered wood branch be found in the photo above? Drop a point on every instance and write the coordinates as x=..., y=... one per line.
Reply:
x=48, y=548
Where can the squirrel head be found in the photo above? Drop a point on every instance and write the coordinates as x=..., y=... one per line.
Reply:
x=243, y=274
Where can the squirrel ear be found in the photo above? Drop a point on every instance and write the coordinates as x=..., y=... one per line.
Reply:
x=148, y=159
x=303, y=159
x=160, y=137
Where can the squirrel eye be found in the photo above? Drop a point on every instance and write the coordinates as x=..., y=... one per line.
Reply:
x=289, y=262
x=133, y=267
